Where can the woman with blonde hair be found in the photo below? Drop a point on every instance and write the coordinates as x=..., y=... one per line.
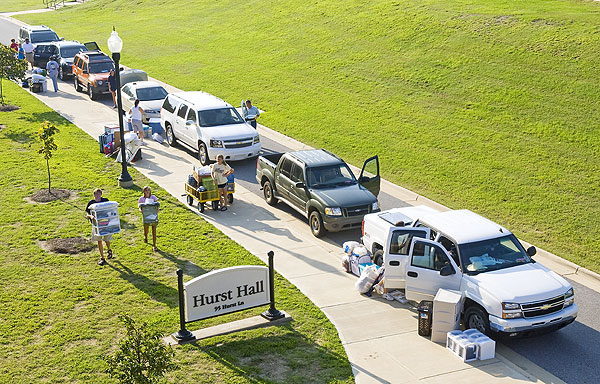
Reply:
x=149, y=198
x=220, y=171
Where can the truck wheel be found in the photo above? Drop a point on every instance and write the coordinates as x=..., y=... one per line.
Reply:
x=268, y=193
x=378, y=257
x=91, y=92
x=476, y=317
x=61, y=73
x=170, y=136
x=190, y=201
x=203, y=154
x=316, y=224
x=76, y=84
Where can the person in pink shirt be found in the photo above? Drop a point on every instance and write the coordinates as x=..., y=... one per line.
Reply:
x=148, y=198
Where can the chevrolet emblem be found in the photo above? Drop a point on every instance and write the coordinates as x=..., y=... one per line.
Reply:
x=545, y=306
x=239, y=142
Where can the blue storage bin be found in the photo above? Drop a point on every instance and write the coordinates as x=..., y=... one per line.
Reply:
x=231, y=179
x=154, y=123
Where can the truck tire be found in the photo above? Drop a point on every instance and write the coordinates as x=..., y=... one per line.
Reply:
x=203, y=154
x=476, y=317
x=170, y=135
x=378, y=257
x=61, y=73
x=91, y=92
x=76, y=83
x=316, y=224
x=268, y=193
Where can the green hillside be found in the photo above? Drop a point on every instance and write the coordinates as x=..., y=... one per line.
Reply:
x=486, y=105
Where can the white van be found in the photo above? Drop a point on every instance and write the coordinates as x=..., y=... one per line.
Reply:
x=208, y=125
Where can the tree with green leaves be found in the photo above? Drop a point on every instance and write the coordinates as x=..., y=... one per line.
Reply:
x=11, y=68
x=46, y=137
x=142, y=358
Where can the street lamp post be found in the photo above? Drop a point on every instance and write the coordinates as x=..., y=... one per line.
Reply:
x=115, y=45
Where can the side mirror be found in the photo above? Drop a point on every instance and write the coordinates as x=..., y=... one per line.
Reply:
x=531, y=251
x=132, y=98
x=300, y=184
x=62, y=39
x=189, y=123
x=447, y=270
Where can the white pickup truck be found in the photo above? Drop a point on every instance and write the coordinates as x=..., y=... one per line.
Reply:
x=505, y=290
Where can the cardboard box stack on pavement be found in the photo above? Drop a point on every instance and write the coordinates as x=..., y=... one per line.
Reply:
x=447, y=307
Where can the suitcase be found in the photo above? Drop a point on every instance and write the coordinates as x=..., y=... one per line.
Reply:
x=105, y=139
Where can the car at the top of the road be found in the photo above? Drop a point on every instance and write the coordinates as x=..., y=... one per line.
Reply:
x=37, y=34
x=321, y=186
x=91, y=70
x=209, y=125
x=64, y=51
x=505, y=289
x=150, y=94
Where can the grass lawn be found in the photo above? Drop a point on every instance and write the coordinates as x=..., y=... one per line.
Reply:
x=21, y=5
x=58, y=313
x=486, y=105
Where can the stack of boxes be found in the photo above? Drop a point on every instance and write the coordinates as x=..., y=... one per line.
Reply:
x=446, y=314
x=471, y=345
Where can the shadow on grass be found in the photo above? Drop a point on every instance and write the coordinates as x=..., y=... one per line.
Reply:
x=187, y=266
x=40, y=117
x=19, y=137
x=288, y=357
x=158, y=291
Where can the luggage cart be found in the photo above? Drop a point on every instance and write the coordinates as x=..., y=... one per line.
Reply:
x=212, y=195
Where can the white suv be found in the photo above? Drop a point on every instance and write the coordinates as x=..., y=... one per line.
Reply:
x=208, y=125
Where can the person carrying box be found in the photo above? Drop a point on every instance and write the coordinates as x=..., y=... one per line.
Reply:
x=107, y=238
x=149, y=198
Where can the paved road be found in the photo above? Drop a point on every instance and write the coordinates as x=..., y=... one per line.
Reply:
x=570, y=354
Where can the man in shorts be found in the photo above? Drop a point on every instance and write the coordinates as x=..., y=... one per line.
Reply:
x=107, y=238
x=28, y=50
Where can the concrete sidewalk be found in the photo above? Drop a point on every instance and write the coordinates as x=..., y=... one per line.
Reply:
x=379, y=337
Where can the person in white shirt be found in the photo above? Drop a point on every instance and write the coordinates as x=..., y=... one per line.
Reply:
x=28, y=49
x=219, y=172
x=136, y=113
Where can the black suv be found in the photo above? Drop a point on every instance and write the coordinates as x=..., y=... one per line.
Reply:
x=37, y=34
x=64, y=51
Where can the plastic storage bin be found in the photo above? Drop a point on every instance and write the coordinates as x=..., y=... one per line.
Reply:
x=150, y=212
x=154, y=124
x=106, y=216
x=425, y=310
x=466, y=349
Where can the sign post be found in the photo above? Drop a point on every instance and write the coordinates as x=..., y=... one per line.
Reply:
x=225, y=291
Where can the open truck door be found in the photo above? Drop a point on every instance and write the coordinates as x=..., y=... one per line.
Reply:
x=92, y=46
x=395, y=256
x=369, y=175
x=429, y=269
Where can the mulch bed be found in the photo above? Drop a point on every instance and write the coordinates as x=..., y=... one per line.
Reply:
x=45, y=196
x=8, y=108
x=70, y=245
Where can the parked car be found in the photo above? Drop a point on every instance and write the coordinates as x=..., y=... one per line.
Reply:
x=208, y=125
x=37, y=34
x=321, y=187
x=64, y=51
x=90, y=71
x=130, y=75
x=506, y=291
x=150, y=94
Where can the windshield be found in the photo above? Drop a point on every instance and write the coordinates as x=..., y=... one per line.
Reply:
x=222, y=116
x=101, y=67
x=493, y=254
x=154, y=93
x=69, y=52
x=42, y=37
x=330, y=176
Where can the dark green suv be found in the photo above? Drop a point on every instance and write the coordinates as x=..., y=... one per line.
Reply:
x=320, y=186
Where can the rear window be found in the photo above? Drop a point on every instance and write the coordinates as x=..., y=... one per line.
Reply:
x=153, y=93
x=170, y=104
x=42, y=37
x=68, y=52
x=182, y=110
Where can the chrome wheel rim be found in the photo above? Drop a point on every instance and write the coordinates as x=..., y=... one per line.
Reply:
x=314, y=221
x=202, y=154
x=475, y=321
x=170, y=135
x=268, y=192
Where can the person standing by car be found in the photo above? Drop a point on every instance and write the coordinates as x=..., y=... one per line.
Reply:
x=219, y=172
x=112, y=86
x=136, y=113
x=107, y=238
x=148, y=198
x=28, y=49
x=13, y=45
x=251, y=113
x=21, y=53
x=52, y=68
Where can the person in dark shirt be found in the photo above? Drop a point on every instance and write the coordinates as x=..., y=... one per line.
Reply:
x=107, y=238
x=112, y=86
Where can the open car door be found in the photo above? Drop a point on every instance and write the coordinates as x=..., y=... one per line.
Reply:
x=92, y=46
x=395, y=255
x=430, y=268
x=369, y=175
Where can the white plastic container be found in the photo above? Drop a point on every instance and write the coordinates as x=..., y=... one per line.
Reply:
x=106, y=215
x=451, y=338
x=487, y=346
x=466, y=350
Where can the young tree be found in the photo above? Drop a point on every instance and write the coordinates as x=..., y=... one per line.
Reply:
x=11, y=68
x=46, y=136
x=142, y=358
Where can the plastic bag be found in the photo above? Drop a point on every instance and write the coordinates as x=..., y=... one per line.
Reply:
x=349, y=246
x=366, y=279
x=158, y=138
x=360, y=251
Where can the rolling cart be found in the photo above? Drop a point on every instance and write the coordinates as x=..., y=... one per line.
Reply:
x=210, y=194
